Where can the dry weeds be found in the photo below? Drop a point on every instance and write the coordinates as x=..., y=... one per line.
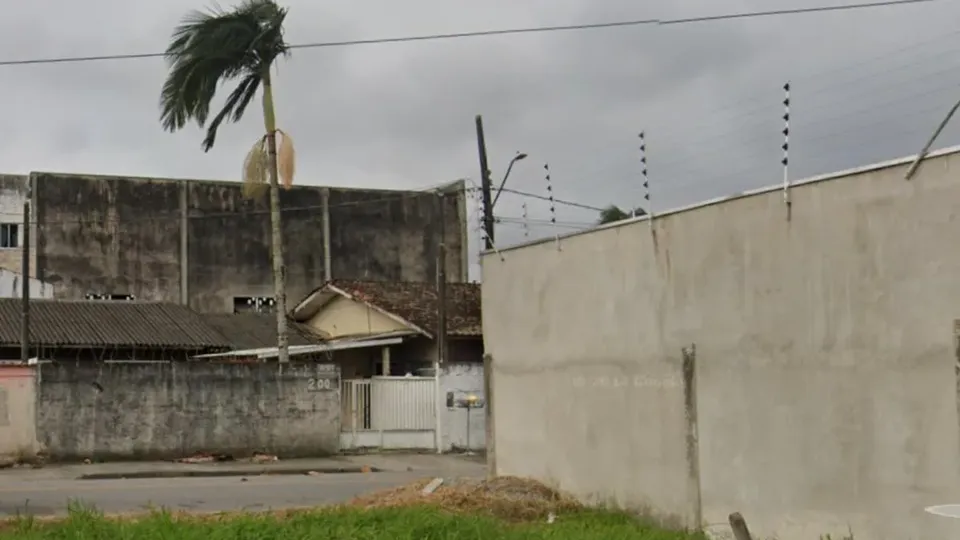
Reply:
x=507, y=498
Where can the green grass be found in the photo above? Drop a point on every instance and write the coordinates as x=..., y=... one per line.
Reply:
x=423, y=523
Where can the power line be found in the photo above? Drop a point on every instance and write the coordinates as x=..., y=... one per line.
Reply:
x=757, y=103
x=475, y=188
x=862, y=114
x=386, y=199
x=558, y=201
x=796, y=11
x=539, y=221
x=176, y=214
x=501, y=32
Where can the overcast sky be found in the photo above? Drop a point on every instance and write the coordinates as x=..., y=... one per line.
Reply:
x=868, y=85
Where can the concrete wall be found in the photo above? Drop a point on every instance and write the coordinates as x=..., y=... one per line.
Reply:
x=18, y=433
x=824, y=395
x=170, y=410
x=11, y=286
x=462, y=379
x=201, y=242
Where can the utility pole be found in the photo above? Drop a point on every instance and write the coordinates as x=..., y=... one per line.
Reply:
x=442, y=286
x=441, y=319
x=485, y=185
x=25, y=278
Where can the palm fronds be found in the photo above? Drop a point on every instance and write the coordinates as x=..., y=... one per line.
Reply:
x=209, y=48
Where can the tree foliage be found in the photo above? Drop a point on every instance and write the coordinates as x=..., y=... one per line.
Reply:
x=214, y=47
x=614, y=213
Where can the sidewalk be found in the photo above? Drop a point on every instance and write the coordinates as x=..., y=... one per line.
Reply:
x=429, y=464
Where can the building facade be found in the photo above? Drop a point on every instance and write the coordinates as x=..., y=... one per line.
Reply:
x=200, y=243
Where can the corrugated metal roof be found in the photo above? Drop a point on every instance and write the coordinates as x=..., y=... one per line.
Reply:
x=109, y=324
x=256, y=330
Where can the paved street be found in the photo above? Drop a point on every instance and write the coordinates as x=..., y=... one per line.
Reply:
x=194, y=494
x=47, y=491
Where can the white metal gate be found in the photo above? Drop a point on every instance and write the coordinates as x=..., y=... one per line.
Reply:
x=389, y=404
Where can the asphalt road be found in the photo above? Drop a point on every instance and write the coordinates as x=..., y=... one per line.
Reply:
x=51, y=497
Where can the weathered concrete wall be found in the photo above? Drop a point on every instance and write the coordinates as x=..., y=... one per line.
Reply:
x=168, y=410
x=162, y=239
x=230, y=247
x=462, y=379
x=108, y=235
x=393, y=236
x=825, y=389
x=11, y=286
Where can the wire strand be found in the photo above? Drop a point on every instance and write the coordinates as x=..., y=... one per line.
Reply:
x=176, y=214
x=501, y=32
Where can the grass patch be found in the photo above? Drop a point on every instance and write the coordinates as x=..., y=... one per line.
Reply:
x=353, y=523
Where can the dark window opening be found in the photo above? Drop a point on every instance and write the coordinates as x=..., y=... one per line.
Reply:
x=9, y=235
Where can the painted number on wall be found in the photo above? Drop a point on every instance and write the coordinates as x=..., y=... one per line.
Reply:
x=319, y=385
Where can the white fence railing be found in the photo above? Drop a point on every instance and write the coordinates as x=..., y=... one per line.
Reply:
x=389, y=404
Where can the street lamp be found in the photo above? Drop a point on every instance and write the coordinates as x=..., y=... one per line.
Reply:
x=516, y=158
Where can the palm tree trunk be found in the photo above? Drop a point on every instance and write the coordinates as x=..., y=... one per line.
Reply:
x=279, y=270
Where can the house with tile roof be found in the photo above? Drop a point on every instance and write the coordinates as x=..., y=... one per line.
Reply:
x=395, y=388
x=406, y=310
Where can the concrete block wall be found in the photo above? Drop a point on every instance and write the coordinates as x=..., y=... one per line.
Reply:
x=824, y=394
x=160, y=411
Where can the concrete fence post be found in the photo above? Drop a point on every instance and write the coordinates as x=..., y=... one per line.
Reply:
x=488, y=413
x=693, y=444
x=739, y=526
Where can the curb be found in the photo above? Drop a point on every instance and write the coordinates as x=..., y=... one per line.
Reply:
x=226, y=473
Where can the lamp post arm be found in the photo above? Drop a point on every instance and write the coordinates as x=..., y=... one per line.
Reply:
x=503, y=182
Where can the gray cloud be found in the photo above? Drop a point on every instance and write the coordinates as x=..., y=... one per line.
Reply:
x=868, y=86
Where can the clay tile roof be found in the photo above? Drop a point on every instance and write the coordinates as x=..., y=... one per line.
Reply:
x=416, y=302
x=257, y=330
x=91, y=323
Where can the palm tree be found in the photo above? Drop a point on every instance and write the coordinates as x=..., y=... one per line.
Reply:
x=209, y=48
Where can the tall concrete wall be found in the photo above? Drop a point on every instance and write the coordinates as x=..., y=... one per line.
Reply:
x=201, y=242
x=170, y=410
x=824, y=395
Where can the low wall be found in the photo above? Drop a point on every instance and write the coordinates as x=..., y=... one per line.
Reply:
x=18, y=434
x=462, y=379
x=154, y=411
